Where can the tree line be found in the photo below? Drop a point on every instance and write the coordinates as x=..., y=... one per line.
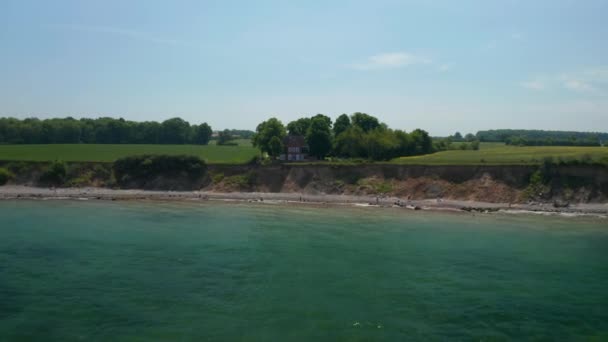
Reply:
x=456, y=142
x=227, y=137
x=523, y=137
x=359, y=135
x=102, y=131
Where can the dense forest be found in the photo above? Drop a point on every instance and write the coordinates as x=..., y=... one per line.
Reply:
x=102, y=131
x=522, y=137
x=357, y=136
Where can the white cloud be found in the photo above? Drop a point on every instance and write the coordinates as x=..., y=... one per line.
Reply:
x=599, y=75
x=503, y=40
x=534, y=85
x=585, y=81
x=390, y=61
x=592, y=81
x=128, y=33
x=516, y=36
x=579, y=86
x=491, y=45
x=444, y=68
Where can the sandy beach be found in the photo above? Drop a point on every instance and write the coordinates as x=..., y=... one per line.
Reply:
x=90, y=193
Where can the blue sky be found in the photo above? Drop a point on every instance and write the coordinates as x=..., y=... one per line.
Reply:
x=443, y=66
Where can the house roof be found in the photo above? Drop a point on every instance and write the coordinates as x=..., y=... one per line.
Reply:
x=294, y=141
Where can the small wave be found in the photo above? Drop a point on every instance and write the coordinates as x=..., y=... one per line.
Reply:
x=552, y=213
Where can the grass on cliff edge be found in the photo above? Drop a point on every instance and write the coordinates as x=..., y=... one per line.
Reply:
x=108, y=153
x=501, y=154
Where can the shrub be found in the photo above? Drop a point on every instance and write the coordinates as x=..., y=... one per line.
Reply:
x=55, y=173
x=82, y=180
x=255, y=160
x=586, y=159
x=384, y=187
x=143, y=168
x=5, y=176
x=102, y=171
x=375, y=185
x=243, y=181
x=216, y=178
x=537, y=178
x=537, y=185
x=17, y=167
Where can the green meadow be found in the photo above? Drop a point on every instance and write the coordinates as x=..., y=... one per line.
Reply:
x=108, y=153
x=488, y=154
x=501, y=154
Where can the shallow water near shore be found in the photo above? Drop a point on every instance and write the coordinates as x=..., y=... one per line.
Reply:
x=94, y=270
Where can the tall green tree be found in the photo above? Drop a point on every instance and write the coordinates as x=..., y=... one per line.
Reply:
x=299, y=127
x=349, y=144
x=150, y=132
x=342, y=124
x=319, y=137
x=202, y=134
x=365, y=122
x=423, y=144
x=381, y=144
x=265, y=131
x=325, y=118
x=275, y=146
x=174, y=131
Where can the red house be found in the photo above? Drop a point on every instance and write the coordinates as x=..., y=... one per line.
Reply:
x=296, y=148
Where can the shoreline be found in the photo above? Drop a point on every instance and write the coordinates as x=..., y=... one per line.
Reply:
x=13, y=192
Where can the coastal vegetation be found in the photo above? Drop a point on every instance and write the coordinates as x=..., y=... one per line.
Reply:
x=551, y=180
x=137, y=171
x=54, y=174
x=5, y=175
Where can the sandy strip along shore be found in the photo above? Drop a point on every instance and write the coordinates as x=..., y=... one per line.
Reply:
x=24, y=192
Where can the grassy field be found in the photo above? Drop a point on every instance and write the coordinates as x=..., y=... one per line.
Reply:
x=108, y=153
x=488, y=154
x=501, y=154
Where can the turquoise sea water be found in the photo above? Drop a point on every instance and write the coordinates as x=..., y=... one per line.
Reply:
x=235, y=272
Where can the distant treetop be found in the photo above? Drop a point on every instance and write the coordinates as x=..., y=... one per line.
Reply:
x=101, y=131
x=543, y=138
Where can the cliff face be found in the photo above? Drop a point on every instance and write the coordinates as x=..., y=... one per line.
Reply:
x=503, y=184
x=482, y=183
